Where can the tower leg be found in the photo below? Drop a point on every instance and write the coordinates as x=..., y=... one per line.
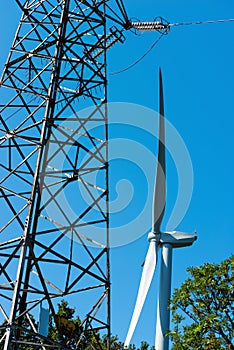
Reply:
x=163, y=312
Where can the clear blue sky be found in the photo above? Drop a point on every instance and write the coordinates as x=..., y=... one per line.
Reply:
x=198, y=71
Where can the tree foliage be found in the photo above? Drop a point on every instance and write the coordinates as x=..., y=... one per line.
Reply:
x=203, y=308
x=202, y=313
x=69, y=329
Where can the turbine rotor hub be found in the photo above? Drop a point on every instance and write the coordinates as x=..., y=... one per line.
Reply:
x=154, y=237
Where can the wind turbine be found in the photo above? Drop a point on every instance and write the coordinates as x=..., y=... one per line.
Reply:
x=158, y=239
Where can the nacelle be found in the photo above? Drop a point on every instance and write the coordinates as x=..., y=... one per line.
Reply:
x=177, y=239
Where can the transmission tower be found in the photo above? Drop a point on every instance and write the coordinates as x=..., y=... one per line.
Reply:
x=54, y=157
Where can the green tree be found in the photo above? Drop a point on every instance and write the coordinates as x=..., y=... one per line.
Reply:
x=67, y=331
x=22, y=331
x=68, y=328
x=203, y=308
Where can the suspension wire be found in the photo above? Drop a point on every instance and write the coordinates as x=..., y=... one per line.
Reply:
x=201, y=22
x=141, y=58
x=165, y=32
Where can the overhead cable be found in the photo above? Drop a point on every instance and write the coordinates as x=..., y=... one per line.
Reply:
x=141, y=58
x=201, y=22
x=158, y=26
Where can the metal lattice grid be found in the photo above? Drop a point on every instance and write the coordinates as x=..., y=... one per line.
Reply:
x=54, y=169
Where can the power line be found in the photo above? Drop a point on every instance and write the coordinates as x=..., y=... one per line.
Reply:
x=201, y=22
x=168, y=26
x=141, y=58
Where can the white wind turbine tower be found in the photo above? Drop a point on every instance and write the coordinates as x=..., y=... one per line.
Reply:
x=158, y=239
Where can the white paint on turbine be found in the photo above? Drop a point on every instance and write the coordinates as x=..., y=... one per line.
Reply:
x=146, y=279
x=164, y=240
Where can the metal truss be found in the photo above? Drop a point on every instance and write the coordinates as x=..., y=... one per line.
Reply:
x=54, y=170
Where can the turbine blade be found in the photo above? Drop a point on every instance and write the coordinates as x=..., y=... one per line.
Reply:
x=146, y=279
x=160, y=180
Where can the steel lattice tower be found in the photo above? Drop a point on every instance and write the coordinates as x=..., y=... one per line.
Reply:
x=56, y=68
